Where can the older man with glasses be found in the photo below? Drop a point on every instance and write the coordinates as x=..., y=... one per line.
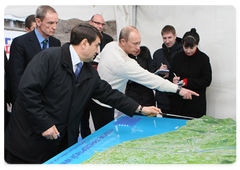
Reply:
x=98, y=22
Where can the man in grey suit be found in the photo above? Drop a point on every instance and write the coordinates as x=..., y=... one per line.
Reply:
x=25, y=47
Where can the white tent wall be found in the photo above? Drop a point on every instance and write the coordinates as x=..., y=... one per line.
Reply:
x=216, y=26
x=125, y=16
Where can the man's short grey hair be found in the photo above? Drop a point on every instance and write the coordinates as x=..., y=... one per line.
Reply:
x=42, y=11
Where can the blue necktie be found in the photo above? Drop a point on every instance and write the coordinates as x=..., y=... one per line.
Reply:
x=78, y=69
x=44, y=44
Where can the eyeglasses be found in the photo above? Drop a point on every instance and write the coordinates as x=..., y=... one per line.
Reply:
x=98, y=23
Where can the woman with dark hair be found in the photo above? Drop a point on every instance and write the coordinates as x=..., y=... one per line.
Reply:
x=136, y=91
x=192, y=69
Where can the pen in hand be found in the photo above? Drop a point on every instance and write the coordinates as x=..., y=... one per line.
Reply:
x=175, y=76
x=163, y=67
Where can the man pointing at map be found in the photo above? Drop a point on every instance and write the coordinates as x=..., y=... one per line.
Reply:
x=116, y=67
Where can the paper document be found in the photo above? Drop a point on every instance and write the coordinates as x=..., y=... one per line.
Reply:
x=161, y=72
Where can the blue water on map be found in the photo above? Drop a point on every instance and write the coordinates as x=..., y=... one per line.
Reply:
x=122, y=129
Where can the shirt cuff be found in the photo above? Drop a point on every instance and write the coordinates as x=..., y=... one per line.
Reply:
x=185, y=81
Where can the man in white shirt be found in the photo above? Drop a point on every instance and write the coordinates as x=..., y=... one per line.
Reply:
x=116, y=67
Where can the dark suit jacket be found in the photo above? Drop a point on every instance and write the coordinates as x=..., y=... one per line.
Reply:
x=49, y=95
x=23, y=49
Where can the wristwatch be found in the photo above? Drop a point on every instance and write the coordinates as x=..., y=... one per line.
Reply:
x=179, y=89
x=140, y=110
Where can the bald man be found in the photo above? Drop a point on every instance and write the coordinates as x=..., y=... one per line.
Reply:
x=98, y=22
x=116, y=67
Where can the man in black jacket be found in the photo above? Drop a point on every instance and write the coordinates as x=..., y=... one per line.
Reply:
x=162, y=59
x=98, y=22
x=46, y=115
x=25, y=47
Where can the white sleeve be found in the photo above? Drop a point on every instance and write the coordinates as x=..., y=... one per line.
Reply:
x=133, y=71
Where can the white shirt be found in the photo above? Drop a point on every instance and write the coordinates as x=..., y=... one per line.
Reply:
x=75, y=58
x=116, y=67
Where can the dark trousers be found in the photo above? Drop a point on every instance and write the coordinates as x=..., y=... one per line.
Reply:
x=12, y=159
x=101, y=115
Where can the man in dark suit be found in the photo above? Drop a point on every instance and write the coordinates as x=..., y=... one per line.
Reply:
x=25, y=47
x=53, y=92
x=98, y=22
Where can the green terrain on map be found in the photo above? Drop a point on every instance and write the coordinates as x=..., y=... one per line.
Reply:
x=201, y=141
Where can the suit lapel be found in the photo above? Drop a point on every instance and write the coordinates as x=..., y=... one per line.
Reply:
x=34, y=42
x=51, y=44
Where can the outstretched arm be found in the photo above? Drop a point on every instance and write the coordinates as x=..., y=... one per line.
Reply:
x=187, y=94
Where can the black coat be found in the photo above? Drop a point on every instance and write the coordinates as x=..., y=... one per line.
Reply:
x=23, y=49
x=141, y=94
x=197, y=70
x=49, y=95
x=158, y=59
x=106, y=39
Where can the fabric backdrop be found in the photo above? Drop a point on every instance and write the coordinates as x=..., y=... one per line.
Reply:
x=216, y=26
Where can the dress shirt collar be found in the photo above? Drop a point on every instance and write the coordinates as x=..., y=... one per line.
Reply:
x=74, y=56
x=40, y=37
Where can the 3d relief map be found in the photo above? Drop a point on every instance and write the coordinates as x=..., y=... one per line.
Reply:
x=201, y=141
